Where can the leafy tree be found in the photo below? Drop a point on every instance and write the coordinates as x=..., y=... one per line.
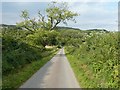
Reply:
x=59, y=12
x=43, y=38
x=55, y=14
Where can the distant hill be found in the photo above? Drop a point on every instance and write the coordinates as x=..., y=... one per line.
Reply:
x=89, y=30
x=5, y=25
x=70, y=28
x=99, y=30
x=59, y=28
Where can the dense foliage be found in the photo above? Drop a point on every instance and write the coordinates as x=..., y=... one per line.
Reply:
x=22, y=50
x=94, y=58
x=20, y=47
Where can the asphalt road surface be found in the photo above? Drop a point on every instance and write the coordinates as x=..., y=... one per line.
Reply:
x=57, y=73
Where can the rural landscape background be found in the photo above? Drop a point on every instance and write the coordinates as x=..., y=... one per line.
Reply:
x=33, y=32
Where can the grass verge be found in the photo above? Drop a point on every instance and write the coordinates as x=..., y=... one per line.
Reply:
x=89, y=76
x=14, y=80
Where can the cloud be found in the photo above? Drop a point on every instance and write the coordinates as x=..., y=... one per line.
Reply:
x=95, y=15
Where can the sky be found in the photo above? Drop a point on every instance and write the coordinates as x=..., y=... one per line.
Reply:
x=94, y=14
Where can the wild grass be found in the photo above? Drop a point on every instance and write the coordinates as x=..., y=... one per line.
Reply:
x=95, y=61
x=16, y=78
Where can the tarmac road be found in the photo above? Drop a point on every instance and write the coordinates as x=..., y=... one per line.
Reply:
x=57, y=73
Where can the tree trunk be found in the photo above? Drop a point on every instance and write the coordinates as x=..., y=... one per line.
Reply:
x=58, y=21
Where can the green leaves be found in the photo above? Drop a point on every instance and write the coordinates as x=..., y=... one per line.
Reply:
x=25, y=14
x=99, y=53
x=45, y=38
x=60, y=13
x=55, y=14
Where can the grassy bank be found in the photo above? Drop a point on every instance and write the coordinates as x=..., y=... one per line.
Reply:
x=14, y=80
x=95, y=61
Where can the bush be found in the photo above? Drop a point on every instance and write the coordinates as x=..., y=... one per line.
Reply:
x=96, y=60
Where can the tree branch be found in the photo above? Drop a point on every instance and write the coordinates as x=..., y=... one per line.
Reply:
x=58, y=21
x=27, y=28
x=51, y=21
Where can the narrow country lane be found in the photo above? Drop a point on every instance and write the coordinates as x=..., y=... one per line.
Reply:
x=57, y=73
